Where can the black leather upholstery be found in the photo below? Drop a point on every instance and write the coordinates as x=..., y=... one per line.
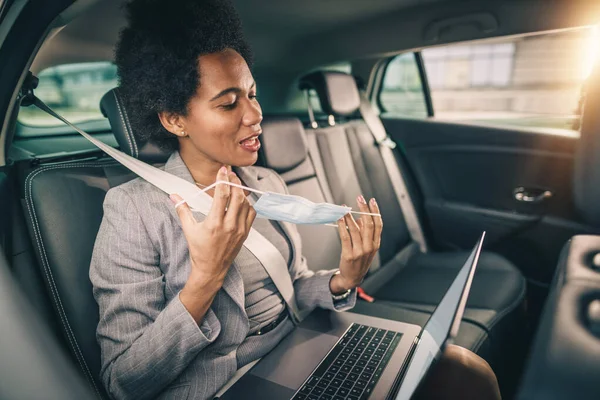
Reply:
x=337, y=91
x=496, y=284
x=587, y=159
x=64, y=210
x=112, y=107
x=565, y=353
x=284, y=145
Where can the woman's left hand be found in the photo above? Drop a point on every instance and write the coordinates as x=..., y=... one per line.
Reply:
x=360, y=243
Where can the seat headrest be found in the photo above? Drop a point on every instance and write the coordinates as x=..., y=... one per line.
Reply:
x=284, y=144
x=587, y=156
x=113, y=108
x=337, y=91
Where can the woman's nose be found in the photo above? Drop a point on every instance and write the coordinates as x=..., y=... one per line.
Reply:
x=253, y=115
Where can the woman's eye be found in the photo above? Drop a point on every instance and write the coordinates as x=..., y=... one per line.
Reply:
x=229, y=106
x=252, y=96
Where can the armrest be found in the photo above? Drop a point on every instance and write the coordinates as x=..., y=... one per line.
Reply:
x=564, y=362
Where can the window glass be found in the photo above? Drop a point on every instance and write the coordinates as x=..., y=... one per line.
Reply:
x=533, y=81
x=402, y=89
x=72, y=90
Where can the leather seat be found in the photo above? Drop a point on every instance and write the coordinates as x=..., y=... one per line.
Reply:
x=321, y=245
x=419, y=280
x=64, y=210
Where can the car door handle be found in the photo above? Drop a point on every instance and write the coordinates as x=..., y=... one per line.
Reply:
x=531, y=195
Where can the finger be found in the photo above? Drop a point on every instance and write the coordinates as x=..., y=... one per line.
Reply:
x=344, y=236
x=250, y=218
x=378, y=221
x=237, y=201
x=367, y=224
x=220, y=197
x=245, y=209
x=354, y=234
x=183, y=211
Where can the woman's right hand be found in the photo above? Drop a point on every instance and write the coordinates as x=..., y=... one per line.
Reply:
x=216, y=241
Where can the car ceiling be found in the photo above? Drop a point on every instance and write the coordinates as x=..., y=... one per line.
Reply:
x=295, y=35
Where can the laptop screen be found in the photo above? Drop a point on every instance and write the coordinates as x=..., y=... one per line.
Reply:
x=442, y=324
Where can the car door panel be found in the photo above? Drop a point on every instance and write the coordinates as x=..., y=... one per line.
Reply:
x=467, y=175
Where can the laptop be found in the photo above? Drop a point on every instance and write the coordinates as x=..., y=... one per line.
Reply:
x=347, y=356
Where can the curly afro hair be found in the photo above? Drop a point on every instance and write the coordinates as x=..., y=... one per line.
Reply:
x=157, y=57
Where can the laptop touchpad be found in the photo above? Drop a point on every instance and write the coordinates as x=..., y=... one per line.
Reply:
x=292, y=361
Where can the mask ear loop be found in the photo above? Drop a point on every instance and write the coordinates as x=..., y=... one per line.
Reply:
x=365, y=213
x=357, y=212
x=200, y=191
x=230, y=184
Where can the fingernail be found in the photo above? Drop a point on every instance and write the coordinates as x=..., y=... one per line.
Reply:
x=174, y=198
x=361, y=199
x=223, y=170
x=373, y=202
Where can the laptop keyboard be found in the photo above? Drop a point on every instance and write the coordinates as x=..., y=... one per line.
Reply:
x=352, y=368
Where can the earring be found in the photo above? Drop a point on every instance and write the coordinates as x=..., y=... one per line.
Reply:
x=182, y=134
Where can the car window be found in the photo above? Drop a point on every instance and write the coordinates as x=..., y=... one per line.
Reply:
x=72, y=90
x=402, y=89
x=534, y=81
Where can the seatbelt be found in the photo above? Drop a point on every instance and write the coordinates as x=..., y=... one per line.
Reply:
x=386, y=146
x=257, y=244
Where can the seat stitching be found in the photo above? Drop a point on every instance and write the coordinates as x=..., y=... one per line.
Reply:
x=127, y=133
x=477, y=345
x=46, y=264
x=137, y=150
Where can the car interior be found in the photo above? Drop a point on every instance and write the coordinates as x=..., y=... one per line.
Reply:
x=487, y=108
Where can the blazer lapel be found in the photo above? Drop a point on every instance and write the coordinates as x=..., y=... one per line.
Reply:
x=233, y=284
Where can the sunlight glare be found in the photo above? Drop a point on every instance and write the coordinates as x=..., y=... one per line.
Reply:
x=590, y=55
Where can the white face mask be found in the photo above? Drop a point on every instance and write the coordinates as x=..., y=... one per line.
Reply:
x=275, y=206
x=294, y=209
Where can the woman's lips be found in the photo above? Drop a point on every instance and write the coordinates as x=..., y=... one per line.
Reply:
x=252, y=144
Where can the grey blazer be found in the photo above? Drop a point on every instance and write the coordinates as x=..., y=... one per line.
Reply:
x=151, y=347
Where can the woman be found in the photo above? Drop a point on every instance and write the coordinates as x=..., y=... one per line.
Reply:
x=183, y=304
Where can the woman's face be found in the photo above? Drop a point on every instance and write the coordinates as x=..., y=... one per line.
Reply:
x=223, y=121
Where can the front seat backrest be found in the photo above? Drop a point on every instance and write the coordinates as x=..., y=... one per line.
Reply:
x=64, y=210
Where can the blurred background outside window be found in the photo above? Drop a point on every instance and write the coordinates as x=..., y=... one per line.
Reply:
x=72, y=90
x=534, y=81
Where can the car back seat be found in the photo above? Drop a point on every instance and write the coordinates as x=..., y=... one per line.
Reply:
x=285, y=150
x=353, y=165
x=63, y=206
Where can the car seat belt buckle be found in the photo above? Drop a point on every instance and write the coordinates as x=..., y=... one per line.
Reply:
x=363, y=295
x=387, y=142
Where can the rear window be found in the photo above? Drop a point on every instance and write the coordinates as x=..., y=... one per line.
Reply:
x=72, y=90
x=534, y=81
